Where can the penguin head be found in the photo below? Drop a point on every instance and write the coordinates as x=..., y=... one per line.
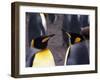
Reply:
x=74, y=37
x=41, y=42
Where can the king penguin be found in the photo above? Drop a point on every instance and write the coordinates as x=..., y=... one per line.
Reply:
x=73, y=38
x=44, y=57
x=78, y=50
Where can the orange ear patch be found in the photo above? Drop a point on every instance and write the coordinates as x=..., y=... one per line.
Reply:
x=77, y=39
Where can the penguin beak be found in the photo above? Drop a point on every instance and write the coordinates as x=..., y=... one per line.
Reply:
x=51, y=35
x=68, y=35
x=47, y=38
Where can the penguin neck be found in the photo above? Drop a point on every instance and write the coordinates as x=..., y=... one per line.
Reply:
x=37, y=50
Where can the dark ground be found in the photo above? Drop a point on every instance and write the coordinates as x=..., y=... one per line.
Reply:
x=55, y=44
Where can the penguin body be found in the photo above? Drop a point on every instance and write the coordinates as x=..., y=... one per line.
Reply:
x=73, y=38
x=43, y=58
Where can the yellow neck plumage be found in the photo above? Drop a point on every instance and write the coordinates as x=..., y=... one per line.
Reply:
x=43, y=58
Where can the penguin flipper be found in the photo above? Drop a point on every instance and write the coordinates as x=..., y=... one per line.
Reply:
x=32, y=59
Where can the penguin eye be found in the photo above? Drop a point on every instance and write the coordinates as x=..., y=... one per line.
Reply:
x=77, y=39
x=45, y=39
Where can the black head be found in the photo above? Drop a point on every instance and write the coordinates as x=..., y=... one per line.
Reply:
x=73, y=37
x=41, y=42
x=76, y=38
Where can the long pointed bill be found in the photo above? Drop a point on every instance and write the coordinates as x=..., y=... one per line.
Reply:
x=47, y=38
x=68, y=34
x=51, y=35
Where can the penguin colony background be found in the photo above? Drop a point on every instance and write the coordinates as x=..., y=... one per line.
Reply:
x=54, y=33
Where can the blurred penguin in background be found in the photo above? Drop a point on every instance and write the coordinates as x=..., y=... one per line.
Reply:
x=52, y=18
